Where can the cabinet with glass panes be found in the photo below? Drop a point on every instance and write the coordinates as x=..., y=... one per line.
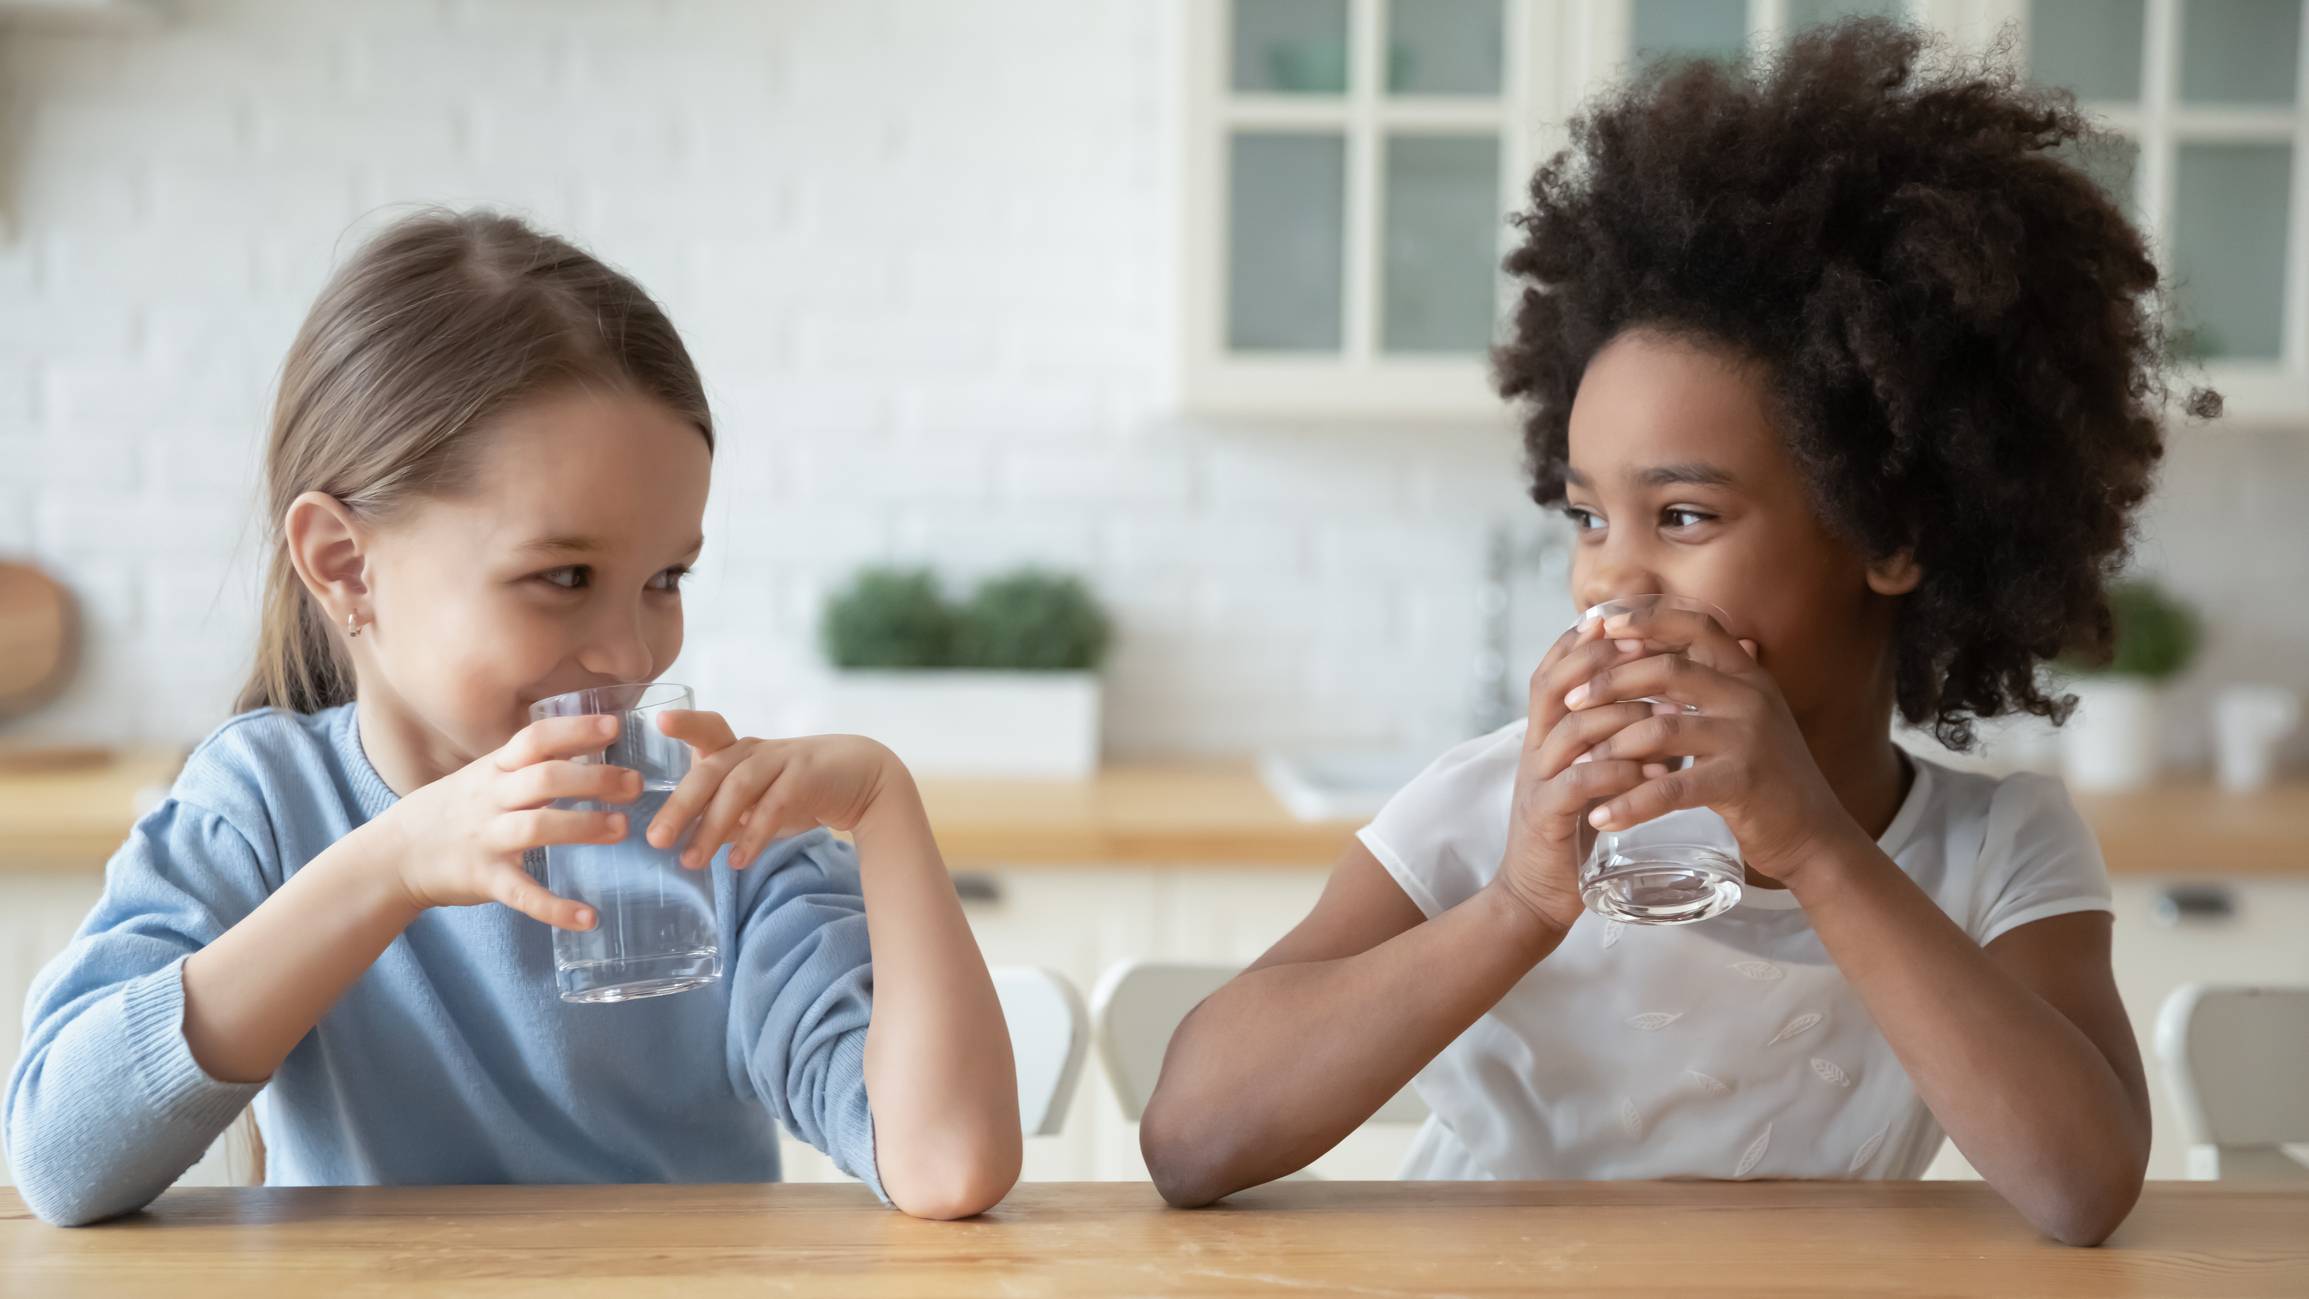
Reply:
x=2208, y=101
x=1352, y=164
x=1350, y=168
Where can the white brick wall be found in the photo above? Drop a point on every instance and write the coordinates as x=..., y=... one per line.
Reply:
x=924, y=253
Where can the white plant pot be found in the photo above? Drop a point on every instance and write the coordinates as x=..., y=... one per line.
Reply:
x=2116, y=737
x=968, y=723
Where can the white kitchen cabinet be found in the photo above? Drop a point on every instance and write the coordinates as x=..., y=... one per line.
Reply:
x=1337, y=155
x=2209, y=104
x=1349, y=165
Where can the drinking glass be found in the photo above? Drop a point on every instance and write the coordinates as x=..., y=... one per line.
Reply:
x=1676, y=868
x=654, y=932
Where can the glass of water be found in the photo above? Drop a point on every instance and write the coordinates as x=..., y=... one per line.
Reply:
x=1675, y=868
x=654, y=932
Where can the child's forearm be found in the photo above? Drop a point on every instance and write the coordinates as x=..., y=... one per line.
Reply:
x=1283, y=1062
x=939, y=1071
x=2031, y=1100
x=253, y=994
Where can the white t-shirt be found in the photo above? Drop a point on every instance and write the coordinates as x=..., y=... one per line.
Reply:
x=1728, y=1048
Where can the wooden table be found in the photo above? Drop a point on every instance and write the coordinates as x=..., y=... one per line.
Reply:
x=2199, y=1240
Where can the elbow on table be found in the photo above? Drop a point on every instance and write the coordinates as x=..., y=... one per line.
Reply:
x=1188, y=1172
x=59, y=1201
x=963, y=1183
x=48, y=1185
x=67, y=1213
x=2087, y=1216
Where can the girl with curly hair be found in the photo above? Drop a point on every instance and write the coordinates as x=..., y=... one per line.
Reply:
x=1839, y=343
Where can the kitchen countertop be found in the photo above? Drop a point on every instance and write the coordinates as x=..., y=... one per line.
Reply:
x=1204, y=814
x=71, y=816
x=2204, y=1240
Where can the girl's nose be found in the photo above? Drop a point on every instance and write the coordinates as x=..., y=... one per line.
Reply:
x=617, y=651
x=1615, y=579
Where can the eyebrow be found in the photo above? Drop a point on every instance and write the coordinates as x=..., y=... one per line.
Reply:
x=572, y=544
x=1688, y=474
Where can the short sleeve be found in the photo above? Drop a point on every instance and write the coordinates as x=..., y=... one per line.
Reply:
x=2038, y=859
x=1441, y=836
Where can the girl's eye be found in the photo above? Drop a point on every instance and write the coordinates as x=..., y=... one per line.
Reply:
x=1677, y=516
x=1582, y=520
x=574, y=578
x=670, y=579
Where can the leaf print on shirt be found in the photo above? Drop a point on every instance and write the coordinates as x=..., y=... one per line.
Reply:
x=1652, y=1021
x=1612, y=929
x=1759, y=971
x=1829, y=1071
x=1754, y=1154
x=1867, y=1150
x=1631, y=1118
x=1709, y=1083
x=1797, y=1027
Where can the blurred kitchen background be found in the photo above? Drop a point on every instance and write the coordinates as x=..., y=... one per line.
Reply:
x=1187, y=298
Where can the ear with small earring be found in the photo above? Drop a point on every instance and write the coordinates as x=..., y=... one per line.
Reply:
x=352, y=625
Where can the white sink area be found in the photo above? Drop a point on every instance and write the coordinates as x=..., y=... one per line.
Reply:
x=1336, y=785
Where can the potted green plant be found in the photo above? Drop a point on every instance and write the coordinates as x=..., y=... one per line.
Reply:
x=2115, y=738
x=1004, y=682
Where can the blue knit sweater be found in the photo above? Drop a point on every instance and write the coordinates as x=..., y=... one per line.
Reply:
x=451, y=1060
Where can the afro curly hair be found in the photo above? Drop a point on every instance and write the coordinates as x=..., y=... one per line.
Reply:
x=1962, y=337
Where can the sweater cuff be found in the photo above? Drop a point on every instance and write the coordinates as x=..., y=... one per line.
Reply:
x=853, y=1135
x=172, y=1082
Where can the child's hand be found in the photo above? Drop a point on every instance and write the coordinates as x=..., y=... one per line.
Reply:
x=746, y=792
x=459, y=840
x=1751, y=765
x=1558, y=780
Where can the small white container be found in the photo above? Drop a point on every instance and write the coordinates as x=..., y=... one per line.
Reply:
x=960, y=722
x=2115, y=739
x=2249, y=722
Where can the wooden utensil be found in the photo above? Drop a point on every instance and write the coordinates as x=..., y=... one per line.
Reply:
x=39, y=638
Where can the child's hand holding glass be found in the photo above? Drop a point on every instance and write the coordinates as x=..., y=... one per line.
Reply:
x=1559, y=777
x=1749, y=762
x=459, y=840
x=748, y=792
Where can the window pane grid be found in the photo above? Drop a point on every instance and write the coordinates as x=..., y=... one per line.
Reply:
x=1365, y=111
x=2189, y=131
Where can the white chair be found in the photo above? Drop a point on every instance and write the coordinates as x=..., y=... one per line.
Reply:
x=1049, y=1035
x=1139, y=1004
x=2237, y=1059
